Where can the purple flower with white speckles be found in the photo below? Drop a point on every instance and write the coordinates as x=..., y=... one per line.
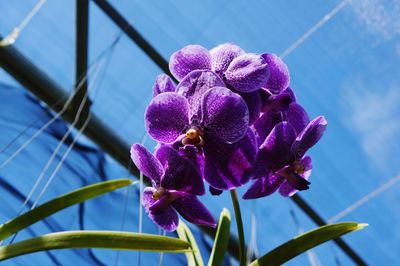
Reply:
x=281, y=161
x=176, y=183
x=204, y=117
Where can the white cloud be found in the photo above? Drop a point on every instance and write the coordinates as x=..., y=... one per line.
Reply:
x=375, y=116
x=380, y=17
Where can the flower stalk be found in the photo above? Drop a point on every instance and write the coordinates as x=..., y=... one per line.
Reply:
x=239, y=223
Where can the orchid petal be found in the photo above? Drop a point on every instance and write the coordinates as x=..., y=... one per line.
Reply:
x=309, y=136
x=247, y=73
x=279, y=73
x=162, y=84
x=193, y=211
x=229, y=165
x=146, y=163
x=224, y=114
x=189, y=58
x=222, y=56
x=275, y=152
x=263, y=186
x=194, y=85
x=168, y=219
x=297, y=117
x=166, y=117
x=180, y=173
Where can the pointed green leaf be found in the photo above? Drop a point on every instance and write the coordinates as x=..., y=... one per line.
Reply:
x=60, y=203
x=95, y=239
x=306, y=241
x=194, y=258
x=221, y=239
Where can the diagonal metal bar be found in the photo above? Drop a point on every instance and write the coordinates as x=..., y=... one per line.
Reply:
x=81, y=66
x=162, y=63
x=134, y=35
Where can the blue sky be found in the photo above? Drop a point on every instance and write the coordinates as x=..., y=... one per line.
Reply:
x=348, y=70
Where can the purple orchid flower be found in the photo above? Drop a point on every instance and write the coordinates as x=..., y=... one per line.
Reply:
x=201, y=114
x=281, y=161
x=176, y=183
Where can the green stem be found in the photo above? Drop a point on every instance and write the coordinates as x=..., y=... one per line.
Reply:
x=239, y=223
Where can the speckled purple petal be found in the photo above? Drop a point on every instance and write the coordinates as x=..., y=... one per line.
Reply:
x=222, y=56
x=288, y=190
x=229, y=165
x=168, y=220
x=297, y=117
x=253, y=101
x=180, y=173
x=193, y=211
x=309, y=136
x=162, y=84
x=275, y=152
x=265, y=124
x=189, y=58
x=263, y=186
x=279, y=73
x=224, y=114
x=147, y=163
x=194, y=85
x=166, y=117
x=247, y=72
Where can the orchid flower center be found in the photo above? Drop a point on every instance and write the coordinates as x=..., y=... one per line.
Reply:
x=159, y=193
x=194, y=136
x=292, y=173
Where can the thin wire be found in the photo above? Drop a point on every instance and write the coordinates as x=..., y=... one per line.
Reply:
x=391, y=182
x=55, y=152
x=126, y=194
x=66, y=105
x=314, y=28
x=58, y=167
x=140, y=225
x=12, y=37
x=77, y=117
x=161, y=259
x=252, y=247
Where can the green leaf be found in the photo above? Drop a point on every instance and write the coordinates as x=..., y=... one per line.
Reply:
x=95, y=239
x=194, y=257
x=221, y=239
x=306, y=241
x=59, y=203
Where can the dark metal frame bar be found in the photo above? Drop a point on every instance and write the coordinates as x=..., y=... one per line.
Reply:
x=50, y=92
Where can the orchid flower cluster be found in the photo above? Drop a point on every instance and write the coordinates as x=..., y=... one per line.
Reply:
x=231, y=118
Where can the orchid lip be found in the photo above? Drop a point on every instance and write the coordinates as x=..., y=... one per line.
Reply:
x=292, y=173
x=193, y=136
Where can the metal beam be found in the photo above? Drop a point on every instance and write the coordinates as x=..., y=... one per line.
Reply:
x=81, y=81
